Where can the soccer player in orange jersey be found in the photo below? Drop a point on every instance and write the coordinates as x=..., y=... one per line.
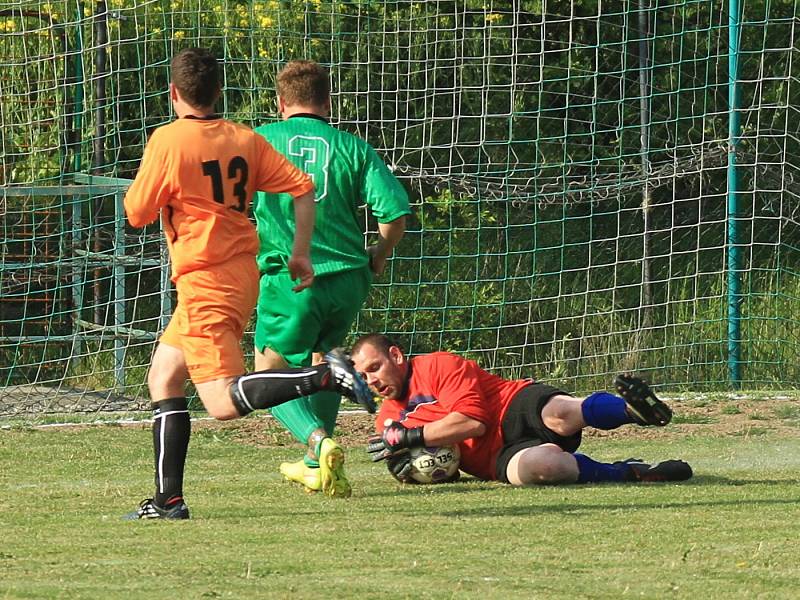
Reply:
x=200, y=173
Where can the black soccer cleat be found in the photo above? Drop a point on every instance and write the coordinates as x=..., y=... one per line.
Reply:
x=148, y=509
x=668, y=470
x=642, y=404
x=347, y=381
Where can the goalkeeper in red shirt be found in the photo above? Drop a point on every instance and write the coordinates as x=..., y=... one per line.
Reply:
x=516, y=431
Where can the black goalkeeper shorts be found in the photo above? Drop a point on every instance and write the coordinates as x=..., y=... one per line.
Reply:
x=522, y=426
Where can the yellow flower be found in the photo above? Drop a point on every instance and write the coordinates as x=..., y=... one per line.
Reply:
x=494, y=17
x=179, y=35
x=10, y=25
x=266, y=22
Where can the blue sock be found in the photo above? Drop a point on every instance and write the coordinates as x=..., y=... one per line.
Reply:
x=591, y=471
x=602, y=410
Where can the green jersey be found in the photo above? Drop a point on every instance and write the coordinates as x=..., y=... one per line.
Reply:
x=347, y=173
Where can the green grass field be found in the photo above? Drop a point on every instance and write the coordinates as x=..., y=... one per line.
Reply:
x=731, y=532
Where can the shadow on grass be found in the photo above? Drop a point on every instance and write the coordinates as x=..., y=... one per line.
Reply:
x=510, y=511
x=474, y=485
x=717, y=480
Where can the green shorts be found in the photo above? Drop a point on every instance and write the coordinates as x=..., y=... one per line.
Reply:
x=315, y=320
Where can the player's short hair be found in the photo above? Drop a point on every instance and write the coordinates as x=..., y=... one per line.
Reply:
x=304, y=83
x=379, y=341
x=196, y=74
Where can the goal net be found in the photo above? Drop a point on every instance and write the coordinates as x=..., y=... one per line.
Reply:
x=596, y=186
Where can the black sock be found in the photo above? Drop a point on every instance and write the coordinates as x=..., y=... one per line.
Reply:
x=265, y=389
x=171, y=431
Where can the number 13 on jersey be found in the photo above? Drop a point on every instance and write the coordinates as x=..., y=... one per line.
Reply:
x=312, y=155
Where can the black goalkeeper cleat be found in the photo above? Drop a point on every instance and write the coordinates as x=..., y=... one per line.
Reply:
x=347, y=381
x=668, y=470
x=148, y=509
x=643, y=406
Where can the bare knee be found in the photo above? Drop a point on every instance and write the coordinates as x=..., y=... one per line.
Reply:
x=166, y=381
x=543, y=471
x=167, y=375
x=562, y=415
x=220, y=412
x=216, y=399
x=541, y=465
x=269, y=359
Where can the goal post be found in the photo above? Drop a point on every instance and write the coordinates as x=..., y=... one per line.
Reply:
x=572, y=168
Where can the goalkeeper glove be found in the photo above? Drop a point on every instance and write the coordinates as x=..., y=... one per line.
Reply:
x=396, y=440
x=400, y=468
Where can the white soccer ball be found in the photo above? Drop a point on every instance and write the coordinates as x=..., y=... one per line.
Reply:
x=434, y=465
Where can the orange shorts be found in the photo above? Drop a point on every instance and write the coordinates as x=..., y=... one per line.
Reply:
x=214, y=307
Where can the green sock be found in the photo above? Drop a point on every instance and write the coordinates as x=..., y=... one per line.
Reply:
x=310, y=461
x=298, y=417
x=304, y=415
x=326, y=407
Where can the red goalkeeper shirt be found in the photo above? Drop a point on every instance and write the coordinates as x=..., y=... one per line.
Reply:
x=442, y=383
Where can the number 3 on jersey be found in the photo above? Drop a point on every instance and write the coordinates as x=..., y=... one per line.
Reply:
x=312, y=154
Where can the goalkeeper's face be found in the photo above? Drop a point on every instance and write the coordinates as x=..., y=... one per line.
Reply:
x=384, y=371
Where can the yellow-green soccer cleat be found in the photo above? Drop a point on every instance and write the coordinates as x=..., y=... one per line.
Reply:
x=301, y=473
x=331, y=467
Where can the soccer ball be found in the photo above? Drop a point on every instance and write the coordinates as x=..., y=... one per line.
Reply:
x=434, y=465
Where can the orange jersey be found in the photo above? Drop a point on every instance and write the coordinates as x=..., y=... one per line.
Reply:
x=201, y=175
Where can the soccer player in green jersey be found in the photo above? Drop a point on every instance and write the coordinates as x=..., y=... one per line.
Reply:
x=296, y=329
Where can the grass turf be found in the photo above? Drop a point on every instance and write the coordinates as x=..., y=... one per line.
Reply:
x=729, y=533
